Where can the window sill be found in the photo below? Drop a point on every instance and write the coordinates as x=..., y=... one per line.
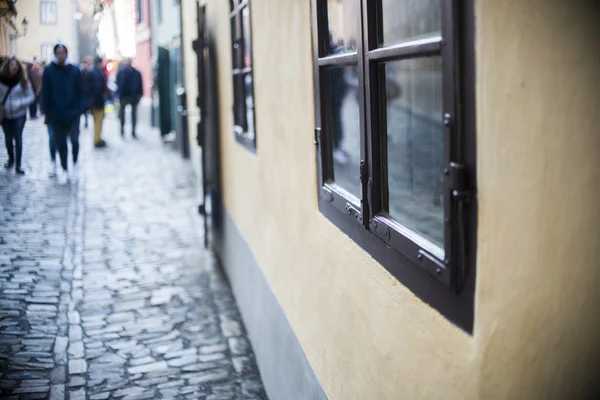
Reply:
x=458, y=308
x=249, y=144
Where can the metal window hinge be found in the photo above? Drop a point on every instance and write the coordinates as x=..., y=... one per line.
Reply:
x=317, y=136
x=457, y=174
x=460, y=192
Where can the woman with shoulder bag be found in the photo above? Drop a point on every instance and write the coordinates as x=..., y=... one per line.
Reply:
x=17, y=95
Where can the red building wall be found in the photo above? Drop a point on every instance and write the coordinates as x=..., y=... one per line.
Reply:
x=143, y=58
x=144, y=65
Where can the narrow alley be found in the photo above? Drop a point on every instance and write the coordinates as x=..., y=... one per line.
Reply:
x=107, y=291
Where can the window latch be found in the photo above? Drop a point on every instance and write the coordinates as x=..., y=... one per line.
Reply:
x=458, y=180
x=460, y=192
x=317, y=136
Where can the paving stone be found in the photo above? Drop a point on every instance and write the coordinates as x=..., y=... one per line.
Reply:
x=142, y=369
x=57, y=392
x=211, y=357
x=75, y=333
x=58, y=375
x=60, y=349
x=31, y=389
x=181, y=361
x=141, y=361
x=77, y=394
x=100, y=396
x=76, y=381
x=212, y=376
x=76, y=350
x=242, y=365
x=77, y=366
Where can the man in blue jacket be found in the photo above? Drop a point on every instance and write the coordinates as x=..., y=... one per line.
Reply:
x=95, y=96
x=62, y=97
x=130, y=88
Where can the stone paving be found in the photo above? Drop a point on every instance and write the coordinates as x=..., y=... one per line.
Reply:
x=106, y=291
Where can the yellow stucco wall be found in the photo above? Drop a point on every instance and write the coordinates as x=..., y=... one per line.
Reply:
x=368, y=337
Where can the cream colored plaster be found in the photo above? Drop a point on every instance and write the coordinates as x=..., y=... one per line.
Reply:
x=537, y=325
x=366, y=335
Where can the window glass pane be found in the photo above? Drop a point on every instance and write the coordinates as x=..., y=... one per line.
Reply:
x=247, y=37
x=249, y=91
x=345, y=119
x=344, y=25
x=405, y=20
x=239, y=105
x=415, y=145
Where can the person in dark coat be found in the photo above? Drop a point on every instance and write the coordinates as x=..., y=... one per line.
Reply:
x=95, y=96
x=85, y=90
x=130, y=90
x=63, y=101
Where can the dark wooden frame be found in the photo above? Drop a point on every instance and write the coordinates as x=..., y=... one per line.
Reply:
x=239, y=71
x=55, y=12
x=443, y=278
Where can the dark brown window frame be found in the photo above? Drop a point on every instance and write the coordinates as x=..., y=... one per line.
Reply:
x=240, y=71
x=447, y=284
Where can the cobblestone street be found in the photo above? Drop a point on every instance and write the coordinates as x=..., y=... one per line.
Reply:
x=106, y=290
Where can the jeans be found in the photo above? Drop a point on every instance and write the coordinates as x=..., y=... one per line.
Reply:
x=13, y=131
x=33, y=108
x=124, y=102
x=51, y=143
x=60, y=139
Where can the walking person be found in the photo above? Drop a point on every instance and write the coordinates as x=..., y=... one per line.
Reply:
x=96, y=96
x=36, y=85
x=16, y=97
x=130, y=89
x=85, y=89
x=63, y=102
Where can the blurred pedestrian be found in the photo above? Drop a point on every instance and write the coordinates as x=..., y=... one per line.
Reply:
x=16, y=96
x=130, y=89
x=62, y=97
x=85, y=90
x=36, y=85
x=96, y=96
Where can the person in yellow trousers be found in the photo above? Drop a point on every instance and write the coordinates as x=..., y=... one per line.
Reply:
x=96, y=93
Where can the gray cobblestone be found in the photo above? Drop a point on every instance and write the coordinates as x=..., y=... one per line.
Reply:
x=106, y=290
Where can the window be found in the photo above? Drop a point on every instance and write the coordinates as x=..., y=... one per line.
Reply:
x=48, y=12
x=243, y=92
x=139, y=12
x=159, y=11
x=47, y=51
x=395, y=135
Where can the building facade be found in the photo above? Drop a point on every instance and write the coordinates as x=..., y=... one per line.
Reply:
x=143, y=54
x=8, y=28
x=168, y=55
x=50, y=21
x=406, y=202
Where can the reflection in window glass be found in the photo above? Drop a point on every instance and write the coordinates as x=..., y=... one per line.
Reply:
x=249, y=95
x=247, y=37
x=415, y=145
x=239, y=91
x=345, y=122
x=405, y=20
x=344, y=24
x=48, y=12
